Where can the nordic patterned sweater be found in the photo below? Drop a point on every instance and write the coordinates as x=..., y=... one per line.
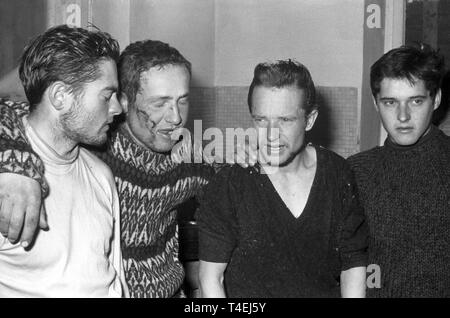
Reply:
x=405, y=192
x=150, y=186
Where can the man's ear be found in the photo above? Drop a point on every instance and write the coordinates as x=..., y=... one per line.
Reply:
x=57, y=94
x=124, y=102
x=374, y=100
x=311, y=119
x=437, y=99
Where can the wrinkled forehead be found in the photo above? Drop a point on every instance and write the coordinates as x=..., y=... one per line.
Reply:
x=277, y=100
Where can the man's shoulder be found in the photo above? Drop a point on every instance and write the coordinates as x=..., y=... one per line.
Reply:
x=365, y=158
x=330, y=154
x=98, y=166
x=20, y=108
x=444, y=137
x=233, y=173
x=232, y=178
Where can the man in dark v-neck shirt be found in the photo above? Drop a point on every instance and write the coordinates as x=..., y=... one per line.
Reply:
x=292, y=226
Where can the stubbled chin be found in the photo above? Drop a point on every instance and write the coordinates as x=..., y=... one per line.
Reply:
x=161, y=146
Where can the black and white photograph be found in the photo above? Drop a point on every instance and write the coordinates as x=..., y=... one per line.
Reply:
x=243, y=149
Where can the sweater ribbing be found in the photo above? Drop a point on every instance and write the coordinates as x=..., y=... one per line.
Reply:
x=406, y=196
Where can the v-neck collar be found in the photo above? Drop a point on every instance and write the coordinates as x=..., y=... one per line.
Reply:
x=276, y=199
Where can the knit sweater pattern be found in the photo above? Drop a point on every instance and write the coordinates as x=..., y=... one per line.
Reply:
x=405, y=192
x=150, y=186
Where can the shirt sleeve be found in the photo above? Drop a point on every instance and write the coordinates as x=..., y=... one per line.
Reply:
x=354, y=230
x=217, y=220
x=16, y=155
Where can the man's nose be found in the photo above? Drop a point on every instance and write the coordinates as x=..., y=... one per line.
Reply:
x=115, y=108
x=174, y=116
x=273, y=131
x=403, y=112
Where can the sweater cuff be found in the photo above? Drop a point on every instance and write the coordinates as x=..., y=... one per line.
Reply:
x=351, y=260
x=22, y=162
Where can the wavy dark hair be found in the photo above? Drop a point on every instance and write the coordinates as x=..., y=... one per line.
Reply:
x=66, y=54
x=412, y=62
x=284, y=73
x=139, y=57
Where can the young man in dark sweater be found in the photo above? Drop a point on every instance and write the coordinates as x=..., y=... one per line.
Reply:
x=405, y=184
x=292, y=226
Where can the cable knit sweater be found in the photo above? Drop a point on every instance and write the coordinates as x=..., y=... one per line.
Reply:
x=150, y=186
x=406, y=196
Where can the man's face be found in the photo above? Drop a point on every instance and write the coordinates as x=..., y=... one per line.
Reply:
x=405, y=110
x=87, y=121
x=280, y=119
x=161, y=106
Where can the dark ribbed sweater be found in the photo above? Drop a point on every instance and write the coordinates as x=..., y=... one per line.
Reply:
x=405, y=192
x=270, y=253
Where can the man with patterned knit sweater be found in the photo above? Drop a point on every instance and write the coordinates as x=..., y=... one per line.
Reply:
x=405, y=184
x=154, y=81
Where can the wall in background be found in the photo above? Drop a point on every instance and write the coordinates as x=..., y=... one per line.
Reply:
x=187, y=25
x=18, y=24
x=224, y=39
x=427, y=21
x=326, y=36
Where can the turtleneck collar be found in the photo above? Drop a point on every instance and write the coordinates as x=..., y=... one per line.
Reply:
x=123, y=146
x=421, y=144
x=47, y=154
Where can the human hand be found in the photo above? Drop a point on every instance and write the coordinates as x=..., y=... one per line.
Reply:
x=21, y=208
x=182, y=150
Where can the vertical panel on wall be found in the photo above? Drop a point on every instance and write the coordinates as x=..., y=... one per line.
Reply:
x=113, y=17
x=20, y=21
x=72, y=12
x=373, y=48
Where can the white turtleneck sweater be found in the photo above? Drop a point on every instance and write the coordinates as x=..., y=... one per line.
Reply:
x=79, y=256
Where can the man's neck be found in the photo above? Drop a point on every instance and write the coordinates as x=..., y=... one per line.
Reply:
x=51, y=133
x=135, y=139
x=304, y=160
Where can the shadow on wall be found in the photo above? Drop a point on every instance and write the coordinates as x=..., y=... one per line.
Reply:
x=320, y=134
x=442, y=112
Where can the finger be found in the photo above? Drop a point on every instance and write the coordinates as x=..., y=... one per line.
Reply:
x=43, y=223
x=176, y=152
x=32, y=218
x=230, y=158
x=16, y=222
x=5, y=214
x=198, y=153
x=241, y=158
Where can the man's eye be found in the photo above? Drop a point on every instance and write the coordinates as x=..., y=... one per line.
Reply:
x=417, y=101
x=184, y=102
x=389, y=102
x=158, y=105
x=284, y=119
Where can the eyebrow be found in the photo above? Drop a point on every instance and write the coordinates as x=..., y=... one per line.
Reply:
x=158, y=98
x=111, y=88
x=278, y=117
x=410, y=97
x=418, y=96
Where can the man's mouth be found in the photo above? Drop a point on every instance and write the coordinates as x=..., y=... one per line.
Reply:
x=166, y=133
x=404, y=130
x=274, y=149
x=106, y=126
